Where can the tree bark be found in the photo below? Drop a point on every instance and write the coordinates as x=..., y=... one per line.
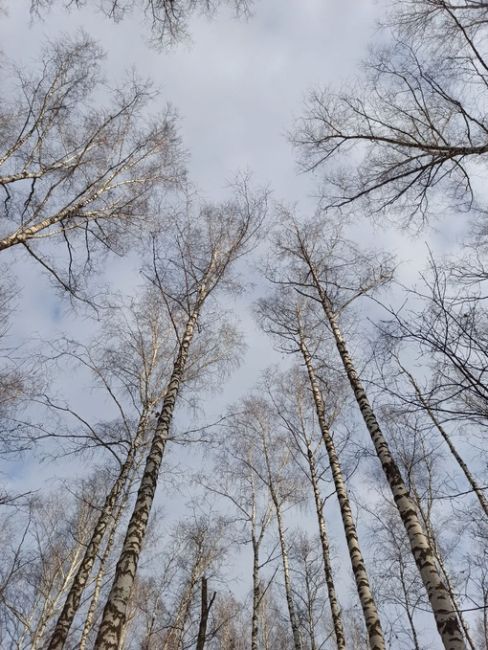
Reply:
x=205, y=610
x=368, y=605
x=441, y=602
x=324, y=542
x=284, y=553
x=73, y=599
x=116, y=607
x=256, y=594
x=101, y=571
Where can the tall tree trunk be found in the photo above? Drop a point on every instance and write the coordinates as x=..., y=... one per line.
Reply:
x=256, y=593
x=324, y=542
x=440, y=560
x=205, y=610
x=101, y=569
x=469, y=477
x=368, y=605
x=284, y=552
x=116, y=607
x=73, y=599
x=441, y=602
x=51, y=603
x=174, y=640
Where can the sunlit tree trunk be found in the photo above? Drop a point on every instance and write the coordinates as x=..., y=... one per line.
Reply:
x=101, y=571
x=106, y=516
x=368, y=605
x=115, y=609
x=441, y=602
x=324, y=542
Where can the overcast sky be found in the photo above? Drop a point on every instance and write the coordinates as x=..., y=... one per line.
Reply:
x=237, y=86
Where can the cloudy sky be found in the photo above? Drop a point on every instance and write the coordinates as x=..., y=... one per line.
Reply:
x=238, y=86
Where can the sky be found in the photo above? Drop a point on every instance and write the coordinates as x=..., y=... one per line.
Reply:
x=238, y=86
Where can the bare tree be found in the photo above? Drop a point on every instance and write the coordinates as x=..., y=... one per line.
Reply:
x=85, y=177
x=284, y=318
x=334, y=273
x=201, y=546
x=167, y=19
x=200, y=257
x=414, y=120
x=44, y=562
x=291, y=400
x=309, y=591
x=206, y=606
x=235, y=479
x=273, y=471
x=450, y=324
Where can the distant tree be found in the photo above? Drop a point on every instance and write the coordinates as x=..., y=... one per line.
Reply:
x=234, y=478
x=449, y=323
x=294, y=409
x=309, y=590
x=41, y=560
x=283, y=316
x=254, y=419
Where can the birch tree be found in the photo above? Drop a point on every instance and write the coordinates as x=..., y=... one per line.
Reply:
x=273, y=471
x=82, y=176
x=414, y=119
x=448, y=321
x=283, y=317
x=201, y=254
x=322, y=273
x=234, y=479
x=52, y=538
x=294, y=410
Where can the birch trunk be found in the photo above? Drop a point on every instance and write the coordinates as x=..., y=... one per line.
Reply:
x=442, y=566
x=324, y=542
x=368, y=605
x=51, y=603
x=441, y=602
x=73, y=599
x=205, y=610
x=284, y=553
x=96, y=593
x=101, y=570
x=174, y=640
x=115, y=609
x=256, y=594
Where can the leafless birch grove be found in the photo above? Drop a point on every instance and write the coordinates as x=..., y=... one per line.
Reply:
x=240, y=414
